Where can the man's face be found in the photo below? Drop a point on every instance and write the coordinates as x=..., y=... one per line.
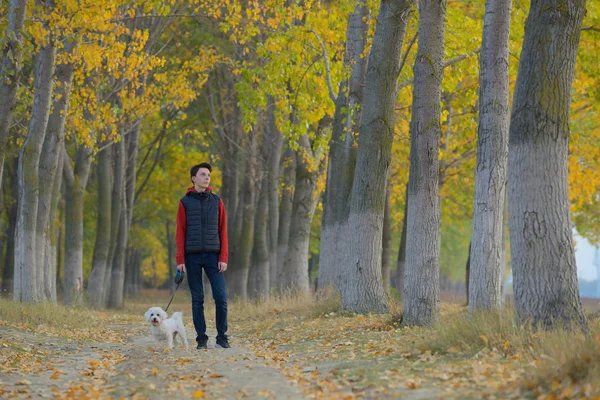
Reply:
x=202, y=178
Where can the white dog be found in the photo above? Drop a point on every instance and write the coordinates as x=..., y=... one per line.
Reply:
x=164, y=328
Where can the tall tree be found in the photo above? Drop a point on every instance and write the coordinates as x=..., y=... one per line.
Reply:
x=10, y=192
x=288, y=178
x=50, y=169
x=294, y=276
x=11, y=49
x=260, y=265
x=421, y=298
x=100, y=261
x=275, y=141
x=342, y=152
x=386, y=242
x=28, y=269
x=541, y=236
x=359, y=276
x=486, y=266
x=75, y=182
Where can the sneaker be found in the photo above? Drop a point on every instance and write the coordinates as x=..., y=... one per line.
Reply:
x=222, y=343
x=202, y=344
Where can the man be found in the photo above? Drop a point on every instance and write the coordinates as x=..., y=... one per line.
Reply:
x=202, y=243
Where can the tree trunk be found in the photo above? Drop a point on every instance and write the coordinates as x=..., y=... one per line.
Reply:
x=260, y=267
x=76, y=181
x=486, y=253
x=171, y=250
x=294, y=275
x=115, y=296
x=12, y=194
x=285, y=209
x=243, y=250
x=358, y=278
x=100, y=261
x=401, y=263
x=28, y=271
x=115, y=216
x=276, y=145
x=50, y=170
x=138, y=272
x=421, y=300
x=541, y=238
x=117, y=277
x=468, y=273
x=132, y=144
x=386, y=243
x=10, y=71
x=51, y=235
x=342, y=153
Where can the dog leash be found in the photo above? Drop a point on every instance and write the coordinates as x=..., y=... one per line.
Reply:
x=178, y=279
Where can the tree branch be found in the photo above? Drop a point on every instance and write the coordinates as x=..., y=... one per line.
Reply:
x=332, y=94
x=591, y=28
x=67, y=167
x=446, y=64
x=410, y=45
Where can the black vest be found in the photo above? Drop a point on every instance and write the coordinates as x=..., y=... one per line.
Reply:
x=202, y=216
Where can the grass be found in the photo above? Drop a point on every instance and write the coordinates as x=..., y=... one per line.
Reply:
x=48, y=314
x=469, y=355
x=567, y=361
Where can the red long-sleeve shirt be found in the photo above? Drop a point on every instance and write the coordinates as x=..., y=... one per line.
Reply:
x=182, y=227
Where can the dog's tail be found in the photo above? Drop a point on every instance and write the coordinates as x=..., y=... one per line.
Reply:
x=178, y=316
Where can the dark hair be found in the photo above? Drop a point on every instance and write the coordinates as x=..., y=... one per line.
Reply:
x=196, y=167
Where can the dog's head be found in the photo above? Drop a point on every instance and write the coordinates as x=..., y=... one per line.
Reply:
x=155, y=315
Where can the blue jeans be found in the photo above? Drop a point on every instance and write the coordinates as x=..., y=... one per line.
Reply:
x=210, y=262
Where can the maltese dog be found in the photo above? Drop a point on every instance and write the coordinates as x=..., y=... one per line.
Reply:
x=164, y=328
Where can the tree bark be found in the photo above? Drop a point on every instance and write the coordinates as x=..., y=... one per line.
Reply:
x=10, y=71
x=28, y=268
x=342, y=153
x=51, y=235
x=421, y=300
x=76, y=181
x=276, y=145
x=401, y=263
x=386, y=243
x=100, y=261
x=260, y=267
x=468, y=273
x=115, y=296
x=115, y=216
x=117, y=277
x=486, y=251
x=11, y=194
x=359, y=276
x=285, y=209
x=541, y=237
x=50, y=170
x=294, y=277
x=243, y=246
x=171, y=250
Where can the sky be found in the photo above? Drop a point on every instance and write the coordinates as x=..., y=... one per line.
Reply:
x=584, y=255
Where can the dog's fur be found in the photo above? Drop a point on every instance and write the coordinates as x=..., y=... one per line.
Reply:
x=164, y=328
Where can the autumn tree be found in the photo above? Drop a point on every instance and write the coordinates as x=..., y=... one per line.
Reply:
x=359, y=276
x=421, y=298
x=486, y=260
x=542, y=254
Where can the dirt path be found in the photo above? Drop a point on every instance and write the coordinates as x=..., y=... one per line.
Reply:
x=135, y=369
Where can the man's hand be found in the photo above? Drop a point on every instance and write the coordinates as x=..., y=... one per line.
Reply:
x=181, y=267
x=222, y=267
